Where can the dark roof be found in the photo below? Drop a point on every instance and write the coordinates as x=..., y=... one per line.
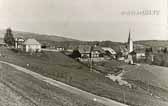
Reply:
x=137, y=51
x=140, y=50
x=133, y=53
x=98, y=48
x=84, y=48
x=123, y=49
x=88, y=49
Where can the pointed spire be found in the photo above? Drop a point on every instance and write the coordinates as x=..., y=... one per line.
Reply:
x=129, y=37
x=130, y=42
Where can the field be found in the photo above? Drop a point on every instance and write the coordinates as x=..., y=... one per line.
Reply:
x=154, y=75
x=10, y=98
x=20, y=89
x=149, y=77
x=67, y=70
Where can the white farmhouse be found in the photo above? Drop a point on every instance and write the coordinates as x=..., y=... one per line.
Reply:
x=110, y=50
x=32, y=45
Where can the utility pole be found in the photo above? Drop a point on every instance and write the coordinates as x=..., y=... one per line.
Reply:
x=91, y=60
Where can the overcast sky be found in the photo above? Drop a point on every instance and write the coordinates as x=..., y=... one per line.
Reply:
x=86, y=19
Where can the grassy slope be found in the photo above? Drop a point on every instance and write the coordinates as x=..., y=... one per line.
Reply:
x=39, y=93
x=62, y=68
x=143, y=76
x=150, y=78
x=10, y=98
x=155, y=75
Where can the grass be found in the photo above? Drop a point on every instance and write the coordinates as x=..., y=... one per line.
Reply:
x=149, y=77
x=37, y=92
x=67, y=70
x=109, y=67
x=153, y=75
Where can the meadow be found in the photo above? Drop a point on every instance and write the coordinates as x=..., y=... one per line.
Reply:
x=62, y=68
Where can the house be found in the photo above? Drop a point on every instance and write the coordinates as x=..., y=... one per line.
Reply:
x=60, y=49
x=140, y=54
x=85, y=51
x=32, y=45
x=97, y=52
x=122, y=54
x=91, y=51
x=94, y=53
x=109, y=51
x=19, y=42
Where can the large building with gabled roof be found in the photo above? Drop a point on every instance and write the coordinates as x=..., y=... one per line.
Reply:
x=32, y=45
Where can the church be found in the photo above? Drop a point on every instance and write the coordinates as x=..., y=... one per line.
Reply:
x=130, y=48
x=134, y=54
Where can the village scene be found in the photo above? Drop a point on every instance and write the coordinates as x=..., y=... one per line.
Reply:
x=86, y=53
x=83, y=53
x=129, y=67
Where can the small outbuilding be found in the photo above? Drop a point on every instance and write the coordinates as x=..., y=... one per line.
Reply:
x=32, y=45
x=19, y=42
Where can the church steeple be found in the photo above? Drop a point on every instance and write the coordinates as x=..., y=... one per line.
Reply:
x=130, y=42
x=129, y=36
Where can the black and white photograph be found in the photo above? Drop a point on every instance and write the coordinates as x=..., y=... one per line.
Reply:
x=83, y=53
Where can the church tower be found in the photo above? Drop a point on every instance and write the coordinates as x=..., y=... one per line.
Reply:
x=130, y=43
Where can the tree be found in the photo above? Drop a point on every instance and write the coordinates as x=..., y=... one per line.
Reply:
x=76, y=54
x=165, y=50
x=8, y=38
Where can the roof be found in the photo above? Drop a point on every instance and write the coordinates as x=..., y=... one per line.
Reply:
x=133, y=53
x=109, y=49
x=98, y=48
x=31, y=42
x=19, y=39
x=140, y=50
x=123, y=49
x=84, y=48
x=88, y=49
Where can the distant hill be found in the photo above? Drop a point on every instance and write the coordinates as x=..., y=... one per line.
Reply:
x=44, y=38
x=40, y=37
x=153, y=43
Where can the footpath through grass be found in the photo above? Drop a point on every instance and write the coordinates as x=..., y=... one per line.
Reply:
x=62, y=68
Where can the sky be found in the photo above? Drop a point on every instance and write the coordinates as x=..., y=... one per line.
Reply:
x=87, y=19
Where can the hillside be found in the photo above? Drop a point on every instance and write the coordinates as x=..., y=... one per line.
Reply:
x=153, y=43
x=40, y=37
x=78, y=75
x=151, y=74
x=55, y=40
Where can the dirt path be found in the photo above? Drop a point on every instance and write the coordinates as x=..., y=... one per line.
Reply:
x=73, y=90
